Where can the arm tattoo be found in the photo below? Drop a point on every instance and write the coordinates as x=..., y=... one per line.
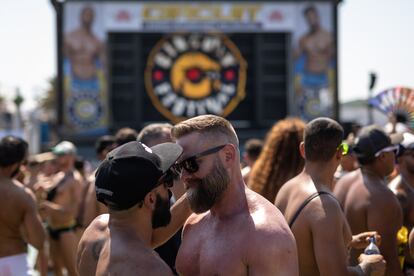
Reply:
x=96, y=250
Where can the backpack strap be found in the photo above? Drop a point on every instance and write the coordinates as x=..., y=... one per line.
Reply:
x=306, y=202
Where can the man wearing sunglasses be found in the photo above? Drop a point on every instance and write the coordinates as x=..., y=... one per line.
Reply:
x=234, y=231
x=314, y=215
x=403, y=188
x=133, y=181
x=368, y=203
x=151, y=135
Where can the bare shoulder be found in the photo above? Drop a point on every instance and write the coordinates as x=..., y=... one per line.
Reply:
x=71, y=37
x=347, y=180
x=193, y=220
x=270, y=242
x=323, y=211
x=282, y=197
x=384, y=197
x=326, y=34
x=23, y=193
x=96, y=230
x=100, y=223
x=268, y=220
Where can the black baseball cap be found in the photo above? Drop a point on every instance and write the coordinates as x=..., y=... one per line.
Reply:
x=371, y=140
x=131, y=171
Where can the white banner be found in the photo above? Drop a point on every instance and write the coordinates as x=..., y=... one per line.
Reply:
x=226, y=17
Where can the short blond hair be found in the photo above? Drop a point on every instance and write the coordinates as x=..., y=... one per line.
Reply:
x=210, y=125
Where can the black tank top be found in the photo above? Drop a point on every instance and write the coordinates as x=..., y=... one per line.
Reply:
x=303, y=205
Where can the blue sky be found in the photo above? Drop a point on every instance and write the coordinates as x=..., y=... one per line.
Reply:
x=374, y=35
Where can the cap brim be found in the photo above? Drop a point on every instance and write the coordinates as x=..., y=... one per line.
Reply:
x=396, y=138
x=43, y=157
x=168, y=154
x=56, y=151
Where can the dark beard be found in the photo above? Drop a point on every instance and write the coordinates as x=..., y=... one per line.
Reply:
x=208, y=189
x=161, y=215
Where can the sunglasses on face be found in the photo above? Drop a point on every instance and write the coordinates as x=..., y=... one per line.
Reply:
x=191, y=165
x=344, y=148
x=168, y=178
x=393, y=148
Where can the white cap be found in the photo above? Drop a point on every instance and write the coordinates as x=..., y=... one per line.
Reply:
x=408, y=141
x=63, y=148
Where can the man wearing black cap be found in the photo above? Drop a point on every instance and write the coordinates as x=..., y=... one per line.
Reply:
x=403, y=188
x=133, y=182
x=368, y=203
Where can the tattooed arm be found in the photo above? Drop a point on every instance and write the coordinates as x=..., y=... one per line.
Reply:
x=90, y=246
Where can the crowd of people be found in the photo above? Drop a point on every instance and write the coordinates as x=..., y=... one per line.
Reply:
x=176, y=200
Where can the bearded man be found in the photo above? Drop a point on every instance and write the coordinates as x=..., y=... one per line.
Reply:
x=234, y=230
x=133, y=181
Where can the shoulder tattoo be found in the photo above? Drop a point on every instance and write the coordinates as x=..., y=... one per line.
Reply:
x=96, y=250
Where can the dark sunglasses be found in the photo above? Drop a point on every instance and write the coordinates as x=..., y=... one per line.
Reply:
x=190, y=164
x=168, y=178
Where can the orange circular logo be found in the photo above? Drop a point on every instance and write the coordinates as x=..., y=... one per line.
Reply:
x=194, y=74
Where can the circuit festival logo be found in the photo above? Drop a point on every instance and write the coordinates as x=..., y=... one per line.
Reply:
x=85, y=110
x=194, y=74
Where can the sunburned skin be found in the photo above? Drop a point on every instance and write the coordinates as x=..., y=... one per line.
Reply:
x=243, y=233
x=18, y=211
x=369, y=205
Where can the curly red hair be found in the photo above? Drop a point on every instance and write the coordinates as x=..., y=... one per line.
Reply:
x=280, y=159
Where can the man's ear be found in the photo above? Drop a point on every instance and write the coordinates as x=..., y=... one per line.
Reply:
x=229, y=153
x=338, y=154
x=302, y=150
x=150, y=199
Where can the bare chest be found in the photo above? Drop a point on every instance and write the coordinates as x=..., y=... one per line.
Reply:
x=83, y=45
x=212, y=253
x=131, y=262
x=318, y=44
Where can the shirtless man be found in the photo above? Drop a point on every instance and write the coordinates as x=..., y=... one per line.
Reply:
x=84, y=51
x=315, y=50
x=19, y=220
x=366, y=200
x=60, y=208
x=403, y=187
x=235, y=231
x=151, y=135
x=320, y=227
x=133, y=182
